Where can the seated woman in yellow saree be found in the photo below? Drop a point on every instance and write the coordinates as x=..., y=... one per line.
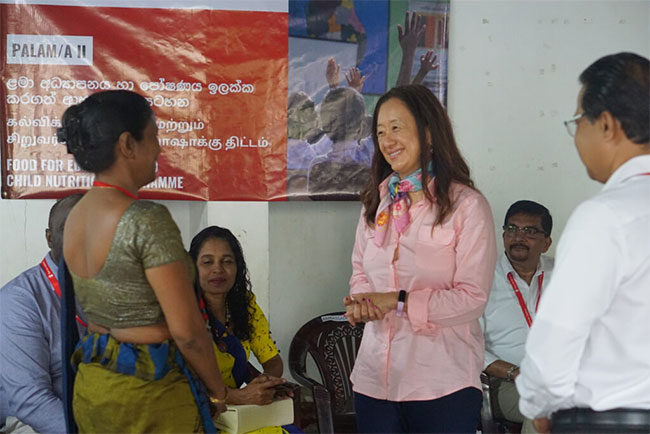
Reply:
x=237, y=324
x=147, y=363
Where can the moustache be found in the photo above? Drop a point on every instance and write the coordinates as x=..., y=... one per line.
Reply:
x=519, y=245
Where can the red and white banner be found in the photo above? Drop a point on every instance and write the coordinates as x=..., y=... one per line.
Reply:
x=217, y=81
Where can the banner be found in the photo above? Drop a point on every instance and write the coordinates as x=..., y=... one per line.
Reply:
x=254, y=100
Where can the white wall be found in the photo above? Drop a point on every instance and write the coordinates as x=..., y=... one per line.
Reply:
x=513, y=69
x=513, y=80
x=22, y=235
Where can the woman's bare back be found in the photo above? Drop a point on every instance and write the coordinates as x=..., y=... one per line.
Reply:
x=90, y=229
x=87, y=240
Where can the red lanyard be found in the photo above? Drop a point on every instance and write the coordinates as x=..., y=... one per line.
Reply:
x=55, y=285
x=520, y=298
x=637, y=174
x=117, y=187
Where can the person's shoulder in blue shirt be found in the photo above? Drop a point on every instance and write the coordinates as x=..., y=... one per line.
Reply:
x=30, y=337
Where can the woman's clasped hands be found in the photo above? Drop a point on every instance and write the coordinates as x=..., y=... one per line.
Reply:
x=369, y=306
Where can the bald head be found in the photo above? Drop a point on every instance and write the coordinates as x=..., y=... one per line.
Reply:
x=54, y=232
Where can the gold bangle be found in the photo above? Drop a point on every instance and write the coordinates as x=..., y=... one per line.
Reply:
x=217, y=401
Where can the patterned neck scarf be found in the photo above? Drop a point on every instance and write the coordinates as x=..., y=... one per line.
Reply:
x=396, y=203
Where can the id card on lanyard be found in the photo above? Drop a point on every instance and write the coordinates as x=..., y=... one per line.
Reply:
x=55, y=285
x=520, y=297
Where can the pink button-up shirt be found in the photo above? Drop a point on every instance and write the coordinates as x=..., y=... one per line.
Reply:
x=437, y=347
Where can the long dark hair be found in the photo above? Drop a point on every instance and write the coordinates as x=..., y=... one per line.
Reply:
x=437, y=145
x=240, y=295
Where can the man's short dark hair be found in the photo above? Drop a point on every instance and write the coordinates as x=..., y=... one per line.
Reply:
x=61, y=208
x=531, y=208
x=619, y=84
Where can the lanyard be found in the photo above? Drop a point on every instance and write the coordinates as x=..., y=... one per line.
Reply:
x=637, y=174
x=520, y=298
x=55, y=285
x=117, y=187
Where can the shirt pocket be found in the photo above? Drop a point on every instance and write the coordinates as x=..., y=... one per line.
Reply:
x=435, y=250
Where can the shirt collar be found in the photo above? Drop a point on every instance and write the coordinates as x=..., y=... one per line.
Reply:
x=633, y=166
x=506, y=266
x=542, y=266
x=54, y=267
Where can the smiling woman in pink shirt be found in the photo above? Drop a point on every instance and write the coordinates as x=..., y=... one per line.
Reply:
x=423, y=262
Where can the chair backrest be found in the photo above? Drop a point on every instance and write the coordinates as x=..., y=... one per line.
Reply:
x=333, y=343
x=489, y=422
x=487, y=419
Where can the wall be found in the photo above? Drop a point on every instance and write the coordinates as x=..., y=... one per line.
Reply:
x=513, y=71
x=513, y=80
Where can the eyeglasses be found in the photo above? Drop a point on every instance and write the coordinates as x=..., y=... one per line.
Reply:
x=528, y=231
x=572, y=124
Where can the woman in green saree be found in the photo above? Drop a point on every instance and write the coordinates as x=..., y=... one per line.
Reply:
x=147, y=363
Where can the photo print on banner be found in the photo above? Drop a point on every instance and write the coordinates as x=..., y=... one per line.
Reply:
x=343, y=55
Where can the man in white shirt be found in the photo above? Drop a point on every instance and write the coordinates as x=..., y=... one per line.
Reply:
x=587, y=356
x=520, y=275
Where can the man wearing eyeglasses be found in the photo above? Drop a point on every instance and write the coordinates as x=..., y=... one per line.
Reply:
x=587, y=359
x=520, y=275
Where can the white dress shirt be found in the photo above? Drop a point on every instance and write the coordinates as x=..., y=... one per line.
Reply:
x=590, y=343
x=503, y=322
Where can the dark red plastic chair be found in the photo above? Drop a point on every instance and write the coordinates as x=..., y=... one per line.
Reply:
x=333, y=344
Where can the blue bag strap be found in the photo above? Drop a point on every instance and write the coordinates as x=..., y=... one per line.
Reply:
x=69, y=339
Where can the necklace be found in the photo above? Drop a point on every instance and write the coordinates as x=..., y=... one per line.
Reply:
x=117, y=187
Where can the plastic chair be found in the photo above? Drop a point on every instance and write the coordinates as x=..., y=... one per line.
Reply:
x=333, y=344
x=489, y=423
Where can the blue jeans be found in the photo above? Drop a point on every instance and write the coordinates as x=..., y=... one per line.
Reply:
x=458, y=412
